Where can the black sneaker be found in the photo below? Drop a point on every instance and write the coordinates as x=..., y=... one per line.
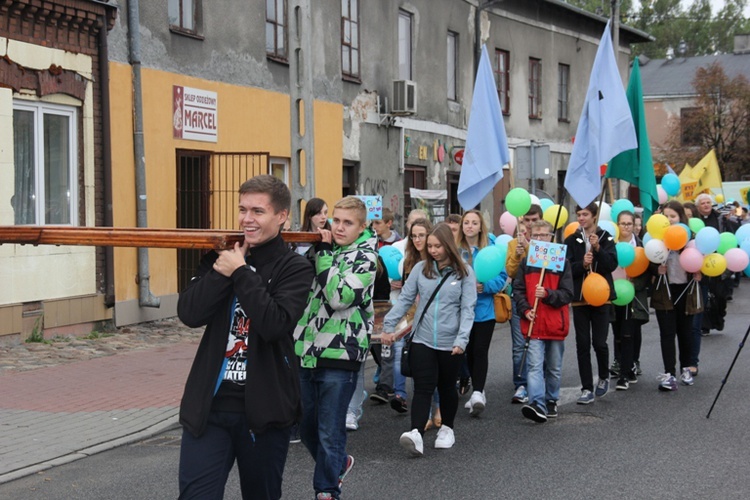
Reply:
x=399, y=404
x=551, y=409
x=294, y=436
x=622, y=384
x=533, y=412
x=380, y=396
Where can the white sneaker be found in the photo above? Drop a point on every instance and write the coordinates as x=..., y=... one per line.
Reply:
x=686, y=377
x=412, y=442
x=352, y=422
x=445, y=438
x=468, y=405
x=477, y=403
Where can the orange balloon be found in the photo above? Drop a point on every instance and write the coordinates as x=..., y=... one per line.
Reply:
x=595, y=289
x=639, y=265
x=675, y=237
x=570, y=229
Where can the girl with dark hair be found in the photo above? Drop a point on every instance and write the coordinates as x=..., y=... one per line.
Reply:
x=671, y=309
x=447, y=293
x=314, y=218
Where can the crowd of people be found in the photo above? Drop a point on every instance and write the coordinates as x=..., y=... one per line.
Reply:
x=292, y=326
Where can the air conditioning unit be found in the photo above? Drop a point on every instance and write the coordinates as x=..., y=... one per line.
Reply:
x=404, y=97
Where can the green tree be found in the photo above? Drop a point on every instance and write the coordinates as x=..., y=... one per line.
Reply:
x=720, y=120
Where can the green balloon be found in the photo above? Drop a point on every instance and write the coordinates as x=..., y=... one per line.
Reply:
x=624, y=291
x=518, y=202
x=726, y=242
x=696, y=224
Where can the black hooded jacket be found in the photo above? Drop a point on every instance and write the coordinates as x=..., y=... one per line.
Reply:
x=605, y=260
x=273, y=298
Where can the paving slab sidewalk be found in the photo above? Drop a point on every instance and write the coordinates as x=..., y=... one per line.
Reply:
x=58, y=414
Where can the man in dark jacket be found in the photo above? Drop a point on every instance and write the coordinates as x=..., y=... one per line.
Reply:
x=591, y=250
x=242, y=395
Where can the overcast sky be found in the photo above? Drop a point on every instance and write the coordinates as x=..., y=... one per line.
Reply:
x=717, y=5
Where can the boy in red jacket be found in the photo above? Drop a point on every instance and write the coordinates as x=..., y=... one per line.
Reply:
x=551, y=326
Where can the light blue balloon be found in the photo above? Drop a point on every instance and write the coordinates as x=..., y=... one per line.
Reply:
x=489, y=262
x=745, y=246
x=689, y=232
x=625, y=254
x=671, y=184
x=545, y=203
x=747, y=271
x=743, y=233
x=391, y=257
x=621, y=205
x=646, y=238
x=608, y=226
x=707, y=240
x=503, y=240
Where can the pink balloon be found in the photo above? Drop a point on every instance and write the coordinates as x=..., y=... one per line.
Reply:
x=662, y=194
x=508, y=223
x=690, y=244
x=691, y=260
x=737, y=260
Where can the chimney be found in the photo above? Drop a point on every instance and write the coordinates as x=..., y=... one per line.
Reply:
x=742, y=44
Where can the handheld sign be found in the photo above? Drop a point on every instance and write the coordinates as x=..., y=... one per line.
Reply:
x=374, y=206
x=546, y=255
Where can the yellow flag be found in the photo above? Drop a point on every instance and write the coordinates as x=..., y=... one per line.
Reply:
x=687, y=189
x=707, y=173
x=685, y=175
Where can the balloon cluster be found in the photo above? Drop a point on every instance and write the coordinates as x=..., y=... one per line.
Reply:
x=710, y=253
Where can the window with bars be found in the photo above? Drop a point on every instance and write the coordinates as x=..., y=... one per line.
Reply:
x=502, y=79
x=350, y=39
x=45, y=155
x=276, y=30
x=563, y=77
x=404, y=45
x=452, y=64
x=535, y=88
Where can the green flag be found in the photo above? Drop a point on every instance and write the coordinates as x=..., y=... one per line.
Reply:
x=636, y=165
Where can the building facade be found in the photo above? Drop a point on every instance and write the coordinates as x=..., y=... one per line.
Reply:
x=202, y=95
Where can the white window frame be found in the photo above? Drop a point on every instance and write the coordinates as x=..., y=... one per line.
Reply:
x=405, y=28
x=39, y=109
x=284, y=162
x=452, y=65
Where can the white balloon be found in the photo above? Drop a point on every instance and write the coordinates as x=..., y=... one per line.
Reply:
x=605, y=211
x=535, y=200
x=656, y=251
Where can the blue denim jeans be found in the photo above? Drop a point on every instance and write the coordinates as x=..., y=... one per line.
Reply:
x=545, y=370
x=697, y=327
x=399, y=381
x=518, y=342
x=326, y=393
x=356, y=405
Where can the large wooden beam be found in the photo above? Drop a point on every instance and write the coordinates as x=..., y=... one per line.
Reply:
x=134, y=237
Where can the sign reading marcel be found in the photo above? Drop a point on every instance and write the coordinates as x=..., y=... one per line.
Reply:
x=194, y=114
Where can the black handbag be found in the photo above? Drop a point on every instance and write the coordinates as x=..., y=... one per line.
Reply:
x=406, y=349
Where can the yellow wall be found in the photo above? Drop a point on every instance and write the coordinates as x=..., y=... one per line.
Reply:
x=249, y=119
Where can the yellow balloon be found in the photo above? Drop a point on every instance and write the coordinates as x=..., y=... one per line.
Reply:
x=719, y=198
x=714, y=264
x=550, y=215
x=656, y=226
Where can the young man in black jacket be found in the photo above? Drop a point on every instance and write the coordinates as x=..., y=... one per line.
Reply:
x=591, y=249
x=242, y=395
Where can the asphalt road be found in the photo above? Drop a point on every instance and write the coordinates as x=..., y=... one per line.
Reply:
x=640, y=443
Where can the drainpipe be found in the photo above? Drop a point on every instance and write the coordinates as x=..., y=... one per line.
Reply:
x=145, y=297
x=109, y=273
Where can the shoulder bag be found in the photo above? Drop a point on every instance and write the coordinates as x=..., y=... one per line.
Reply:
x=406, y=349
